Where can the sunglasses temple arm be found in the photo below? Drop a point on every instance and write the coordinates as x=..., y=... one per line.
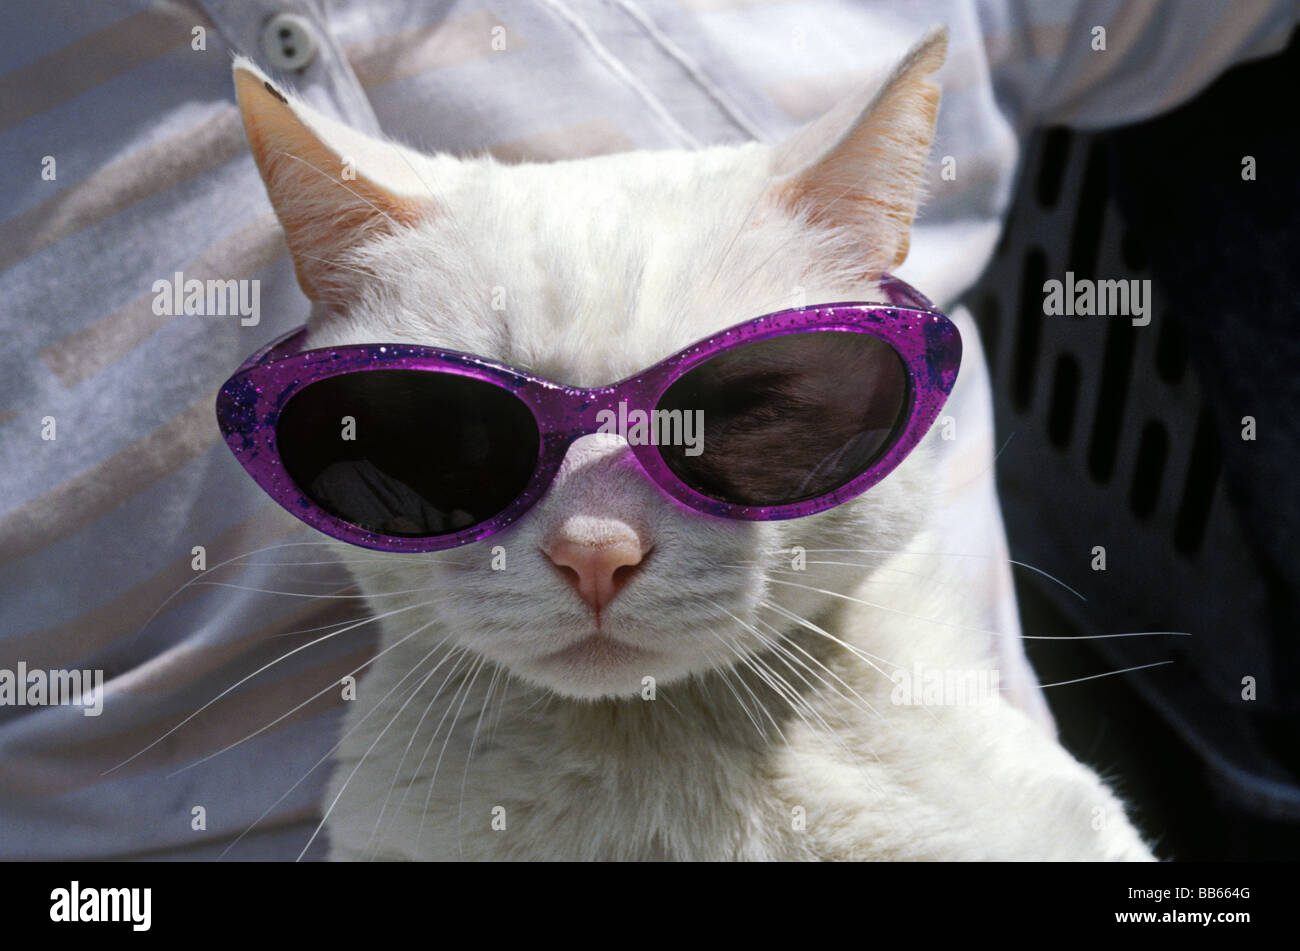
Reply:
x=281, y=346
x=903, y=294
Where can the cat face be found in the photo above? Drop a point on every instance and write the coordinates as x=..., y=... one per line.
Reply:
x=586, y=272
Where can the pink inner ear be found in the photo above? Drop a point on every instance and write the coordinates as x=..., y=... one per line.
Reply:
x=324, y=203
x=860, y=170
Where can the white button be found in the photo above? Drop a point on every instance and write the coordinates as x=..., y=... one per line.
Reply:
x=288, y=42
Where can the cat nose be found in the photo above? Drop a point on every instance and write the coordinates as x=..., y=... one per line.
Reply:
x=598, y=569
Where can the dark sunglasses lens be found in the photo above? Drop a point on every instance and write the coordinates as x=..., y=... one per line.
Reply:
x=788, y=418
x=406, y=452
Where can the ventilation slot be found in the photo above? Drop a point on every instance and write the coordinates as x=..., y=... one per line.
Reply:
x=1065, y=393
x=1153, y=450
x=1198, y=493
x=1092, y=210
x=1116, y=362
x=1171, y=350
x=1029, y=327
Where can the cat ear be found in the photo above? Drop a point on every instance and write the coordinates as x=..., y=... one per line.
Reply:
x=331, y=186
x=858, y=169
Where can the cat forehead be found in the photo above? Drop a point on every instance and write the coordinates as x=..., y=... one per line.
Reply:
x=634, y=205
x=587, y=271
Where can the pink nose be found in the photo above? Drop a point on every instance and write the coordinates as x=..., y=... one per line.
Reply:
x=597, y=571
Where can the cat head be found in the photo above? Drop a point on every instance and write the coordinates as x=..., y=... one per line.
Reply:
x=586, y=272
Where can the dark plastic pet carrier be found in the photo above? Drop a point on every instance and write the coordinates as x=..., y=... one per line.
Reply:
x=1111, y=439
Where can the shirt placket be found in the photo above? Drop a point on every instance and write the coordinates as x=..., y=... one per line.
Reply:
x=290, y=40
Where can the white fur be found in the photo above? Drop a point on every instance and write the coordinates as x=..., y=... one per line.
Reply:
x=607, y=265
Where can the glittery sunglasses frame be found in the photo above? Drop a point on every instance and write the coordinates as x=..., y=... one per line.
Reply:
x=251, y=400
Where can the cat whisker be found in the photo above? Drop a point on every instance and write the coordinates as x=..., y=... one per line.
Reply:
x=722, y=671
x=1064, y=637
x=856, y=651
x=288, y=713
x=460, y=654
x=860, y=654
x=784, y=652
x=308, y=594
x=310, y=630
x=501, y=707
x=931, y=554
x=780, y=641
x=933, y=716
x=334, y=587
x=1102, y=637
x=928, y=576
x=1109, y=673
x=886, y=608
x=353, y=563
x=1026, y=637
x=543, y=696
x=469, y=755
x=664, y=696
x=796, y=571
x=798, y=704
x=469, y=686
x=363, y=556
x=454, y=652
x=264, y=667
x=830, y=733
x=979, y=475
x=745, y=658
x=784, y=690
x=207, y=571
x=332, y=750
x=375, y=742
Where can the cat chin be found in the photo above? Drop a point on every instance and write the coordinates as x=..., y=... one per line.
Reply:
x=602, y=673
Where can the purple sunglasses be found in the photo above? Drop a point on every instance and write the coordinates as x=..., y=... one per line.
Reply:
x=406, y=448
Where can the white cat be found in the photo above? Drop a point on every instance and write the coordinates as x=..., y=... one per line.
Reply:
x=770, y=729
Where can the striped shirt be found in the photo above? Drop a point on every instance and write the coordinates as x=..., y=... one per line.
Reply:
x=125, y=163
